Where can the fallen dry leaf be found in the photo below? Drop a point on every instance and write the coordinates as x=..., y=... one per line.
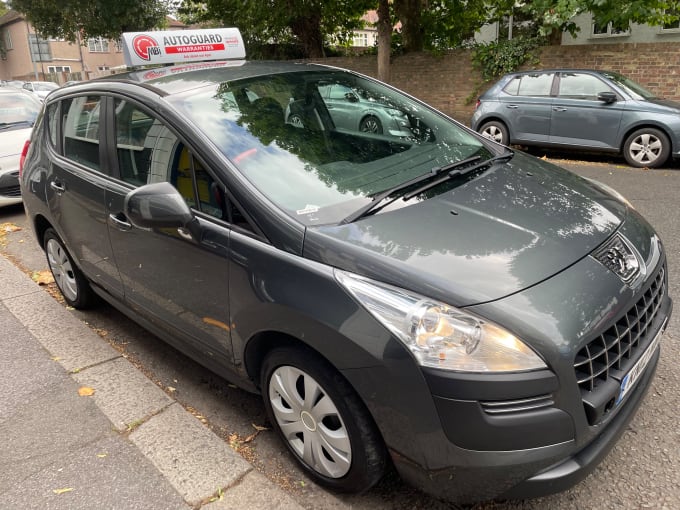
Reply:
x=62, y=491
x=43, y=277
x=259, y=428
x=85, y=391
x=9, y=227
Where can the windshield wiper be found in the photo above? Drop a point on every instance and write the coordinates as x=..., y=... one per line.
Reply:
x=452, y=170
x=487, y=163
x=376, y=203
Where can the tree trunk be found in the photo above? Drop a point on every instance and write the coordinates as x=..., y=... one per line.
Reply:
x=308, y=31
x=384, y=26
x=408, y=12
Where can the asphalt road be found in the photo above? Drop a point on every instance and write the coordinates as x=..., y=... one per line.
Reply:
x=642, y=471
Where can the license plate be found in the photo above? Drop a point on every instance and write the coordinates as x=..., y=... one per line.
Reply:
x=628, y=382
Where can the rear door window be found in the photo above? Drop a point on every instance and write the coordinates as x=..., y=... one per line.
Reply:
x=80, y=121
x=537, y=85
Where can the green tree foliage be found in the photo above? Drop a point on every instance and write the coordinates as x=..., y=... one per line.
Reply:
x=305, y=24
x=440, y=24
x=557, y=15
x=91, y=18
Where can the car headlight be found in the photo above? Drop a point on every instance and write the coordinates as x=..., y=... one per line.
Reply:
x=440, y=335
x=395, y=113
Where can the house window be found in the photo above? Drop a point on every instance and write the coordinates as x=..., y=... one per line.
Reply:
x=672, y=26
x=8, y=40
x=360, y=39
x=118, y=45
x=610, y=29
x=58, y=69
x=39, y=48
x=98, y=45
x=103, y=68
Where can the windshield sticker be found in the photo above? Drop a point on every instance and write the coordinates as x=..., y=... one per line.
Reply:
x=309, y=209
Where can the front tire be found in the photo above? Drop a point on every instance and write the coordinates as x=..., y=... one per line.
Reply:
x=321, y=420
x=69, y=279
x=647, y=148
x=496, y=131
x=371, y=124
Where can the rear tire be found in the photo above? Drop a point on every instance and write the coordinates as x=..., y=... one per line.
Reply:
x=321, y=420
x=496, y=131
x=647, y=148
x=69, y=279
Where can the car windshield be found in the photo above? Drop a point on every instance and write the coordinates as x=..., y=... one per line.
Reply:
x=635, y=90
x=17, y=110
x=322, y=144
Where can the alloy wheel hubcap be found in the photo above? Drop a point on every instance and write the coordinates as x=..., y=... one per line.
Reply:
x=645, y=148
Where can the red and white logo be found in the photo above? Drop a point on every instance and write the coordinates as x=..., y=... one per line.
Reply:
x=145, y=47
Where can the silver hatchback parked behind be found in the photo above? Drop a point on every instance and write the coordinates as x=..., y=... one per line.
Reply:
x=582, y=109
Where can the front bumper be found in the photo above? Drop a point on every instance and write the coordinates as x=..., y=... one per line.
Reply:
x=524, y=473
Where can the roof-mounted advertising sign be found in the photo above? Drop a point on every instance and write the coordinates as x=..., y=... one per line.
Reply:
x=173, y=46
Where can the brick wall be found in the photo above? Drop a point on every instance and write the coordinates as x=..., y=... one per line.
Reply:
x=446, y=81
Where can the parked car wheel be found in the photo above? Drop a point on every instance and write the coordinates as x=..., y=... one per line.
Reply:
x=71, y=282
x=295, y=120
x=321, y=420
x=495, y=131
x=646, y=147
x=371, y=124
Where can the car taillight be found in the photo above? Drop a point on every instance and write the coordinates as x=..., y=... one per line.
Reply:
x=477, y=104
x=22, y=159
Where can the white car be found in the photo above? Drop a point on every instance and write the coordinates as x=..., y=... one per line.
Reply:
x=40, y=88
x=18, y=111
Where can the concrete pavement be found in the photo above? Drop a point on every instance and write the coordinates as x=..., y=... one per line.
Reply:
x=127, y=446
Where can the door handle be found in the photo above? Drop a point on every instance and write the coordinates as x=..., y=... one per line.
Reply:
x=57, y=186
x=559, y=109
x=119, y=223
x=512, y=106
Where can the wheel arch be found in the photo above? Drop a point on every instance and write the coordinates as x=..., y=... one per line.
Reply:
x=40, y=226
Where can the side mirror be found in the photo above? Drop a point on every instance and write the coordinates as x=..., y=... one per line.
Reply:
x=607, y=97
x=351, y=98
x=159, y=205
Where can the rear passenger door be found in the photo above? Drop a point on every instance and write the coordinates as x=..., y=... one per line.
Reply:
x=78, y=178
x=526, y=103
x=179, y=284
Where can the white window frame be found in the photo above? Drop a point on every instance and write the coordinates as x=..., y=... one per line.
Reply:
x=58, y=69
x=673, y=29
x=608, y=33
x=98, y=45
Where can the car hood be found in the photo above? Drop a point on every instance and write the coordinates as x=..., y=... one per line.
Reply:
x=661, y=104
x=508, y=229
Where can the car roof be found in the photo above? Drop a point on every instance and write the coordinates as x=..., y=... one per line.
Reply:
x=562, y=70
x=179, y=78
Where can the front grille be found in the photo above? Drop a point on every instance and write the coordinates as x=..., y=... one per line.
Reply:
x=10, y=191
x=598, y=360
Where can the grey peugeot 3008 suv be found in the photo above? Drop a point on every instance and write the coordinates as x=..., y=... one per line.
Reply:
x=483, y=320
